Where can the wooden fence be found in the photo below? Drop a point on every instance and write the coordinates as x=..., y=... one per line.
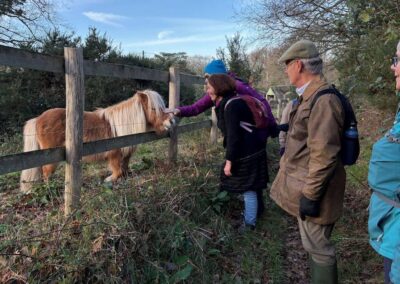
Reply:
x=75, y=69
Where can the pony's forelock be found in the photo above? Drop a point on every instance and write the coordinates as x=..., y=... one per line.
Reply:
x=155, y=101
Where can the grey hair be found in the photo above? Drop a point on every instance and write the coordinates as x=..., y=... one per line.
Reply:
x=313, y=65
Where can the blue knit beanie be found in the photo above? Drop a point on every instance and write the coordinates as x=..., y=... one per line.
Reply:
x=215, y=67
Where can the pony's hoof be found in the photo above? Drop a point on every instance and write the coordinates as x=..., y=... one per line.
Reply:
x=27, y=192
x=26, y=187
x=108, y=179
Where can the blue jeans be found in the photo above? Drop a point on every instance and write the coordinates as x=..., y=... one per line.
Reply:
x=250, y=207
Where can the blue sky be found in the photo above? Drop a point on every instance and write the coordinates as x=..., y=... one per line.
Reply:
x=194, y=27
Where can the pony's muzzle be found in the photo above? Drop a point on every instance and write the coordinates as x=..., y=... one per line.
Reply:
x=171, y=122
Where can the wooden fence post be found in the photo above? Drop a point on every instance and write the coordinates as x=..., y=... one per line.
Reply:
x=214, y=127
x=75, y=93
x=174, y=95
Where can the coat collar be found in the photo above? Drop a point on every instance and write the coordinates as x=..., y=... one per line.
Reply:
x=314, y=86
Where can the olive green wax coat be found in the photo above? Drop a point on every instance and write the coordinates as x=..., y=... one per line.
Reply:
x=311, y=164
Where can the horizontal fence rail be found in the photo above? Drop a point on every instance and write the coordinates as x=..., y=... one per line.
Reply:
x=187, y=79
x=14, y=57
x=124, y=71
x=75, y=68
x=32, y=159
x=27, y=160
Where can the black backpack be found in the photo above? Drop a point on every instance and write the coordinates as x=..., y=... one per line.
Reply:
x=350, y=149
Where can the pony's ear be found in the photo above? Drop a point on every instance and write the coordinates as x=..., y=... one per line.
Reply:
x=143, y=98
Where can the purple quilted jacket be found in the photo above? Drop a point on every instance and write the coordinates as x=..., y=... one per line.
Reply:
x=242, y=88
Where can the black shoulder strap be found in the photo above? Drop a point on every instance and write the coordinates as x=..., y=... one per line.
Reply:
x=231, y=99
x=347, y=108
x=321, y=93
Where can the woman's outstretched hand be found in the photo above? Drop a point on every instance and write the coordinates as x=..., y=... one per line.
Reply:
x=174, y=111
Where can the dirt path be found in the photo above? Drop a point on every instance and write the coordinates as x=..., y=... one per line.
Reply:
x=296, y=260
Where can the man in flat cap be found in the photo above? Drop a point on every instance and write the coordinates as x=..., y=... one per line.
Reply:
x=311, y=180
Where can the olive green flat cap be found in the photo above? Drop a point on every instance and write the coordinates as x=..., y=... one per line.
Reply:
x=300, y=50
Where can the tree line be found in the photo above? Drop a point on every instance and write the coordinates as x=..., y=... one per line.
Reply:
x=357, y=37
x=31, y=25
x=26, y=93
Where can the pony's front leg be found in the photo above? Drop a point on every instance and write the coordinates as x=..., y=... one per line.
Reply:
x=115, y=163
x=48, y=170
x=125, y=166
x=125, y=160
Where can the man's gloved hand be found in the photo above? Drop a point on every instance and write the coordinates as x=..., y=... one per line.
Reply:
x=283, y=127
x=308, y=207
x=281, y=151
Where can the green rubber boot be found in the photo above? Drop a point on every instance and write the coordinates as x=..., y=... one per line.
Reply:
x=323, y=274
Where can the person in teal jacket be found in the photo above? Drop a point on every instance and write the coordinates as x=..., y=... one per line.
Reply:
x=384, y=180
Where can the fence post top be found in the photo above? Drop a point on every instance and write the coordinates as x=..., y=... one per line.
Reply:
x=174, y=69
x=70, y=48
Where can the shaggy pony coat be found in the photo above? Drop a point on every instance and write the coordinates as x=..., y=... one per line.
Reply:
x=143, y=112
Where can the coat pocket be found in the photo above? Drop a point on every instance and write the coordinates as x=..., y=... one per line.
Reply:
x=379, y=212
x=292, y=191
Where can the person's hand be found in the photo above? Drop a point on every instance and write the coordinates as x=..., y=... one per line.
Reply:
x=227, y=168
x=282, y=151
x=173, y=111
x=177, y=112
x=283, y=127
x=308, y=207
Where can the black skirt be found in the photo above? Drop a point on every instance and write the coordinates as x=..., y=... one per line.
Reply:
x=248, y=173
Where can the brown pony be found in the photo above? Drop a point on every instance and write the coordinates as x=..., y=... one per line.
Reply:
x=142, y=112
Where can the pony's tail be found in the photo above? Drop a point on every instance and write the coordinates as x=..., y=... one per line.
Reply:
x=29, y=176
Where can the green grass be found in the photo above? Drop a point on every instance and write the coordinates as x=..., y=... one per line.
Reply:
x=358, y=262
x=166, y=224
x=10, y=144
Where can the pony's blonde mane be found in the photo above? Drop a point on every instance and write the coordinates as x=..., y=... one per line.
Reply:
x=128, y=117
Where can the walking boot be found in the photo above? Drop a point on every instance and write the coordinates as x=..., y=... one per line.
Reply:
x=323, y=274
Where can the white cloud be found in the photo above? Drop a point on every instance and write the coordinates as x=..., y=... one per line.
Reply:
x=164, y=34
x=196, y=24
x=187, y=39
x=109, y=19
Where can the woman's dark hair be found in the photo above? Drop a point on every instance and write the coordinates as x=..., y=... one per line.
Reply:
x=223, y=84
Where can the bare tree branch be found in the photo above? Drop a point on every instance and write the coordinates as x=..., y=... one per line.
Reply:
x=25, y=21
x=317, y=20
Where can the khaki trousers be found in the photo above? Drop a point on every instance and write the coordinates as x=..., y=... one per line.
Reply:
x=316, y=241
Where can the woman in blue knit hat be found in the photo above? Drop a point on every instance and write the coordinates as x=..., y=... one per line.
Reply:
x=217, y=66
x=384, y=180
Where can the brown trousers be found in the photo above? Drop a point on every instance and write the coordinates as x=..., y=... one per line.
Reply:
x=316, y=241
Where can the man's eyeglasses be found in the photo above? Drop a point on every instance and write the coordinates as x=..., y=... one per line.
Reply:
x=395, y=60
x=289, y=62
